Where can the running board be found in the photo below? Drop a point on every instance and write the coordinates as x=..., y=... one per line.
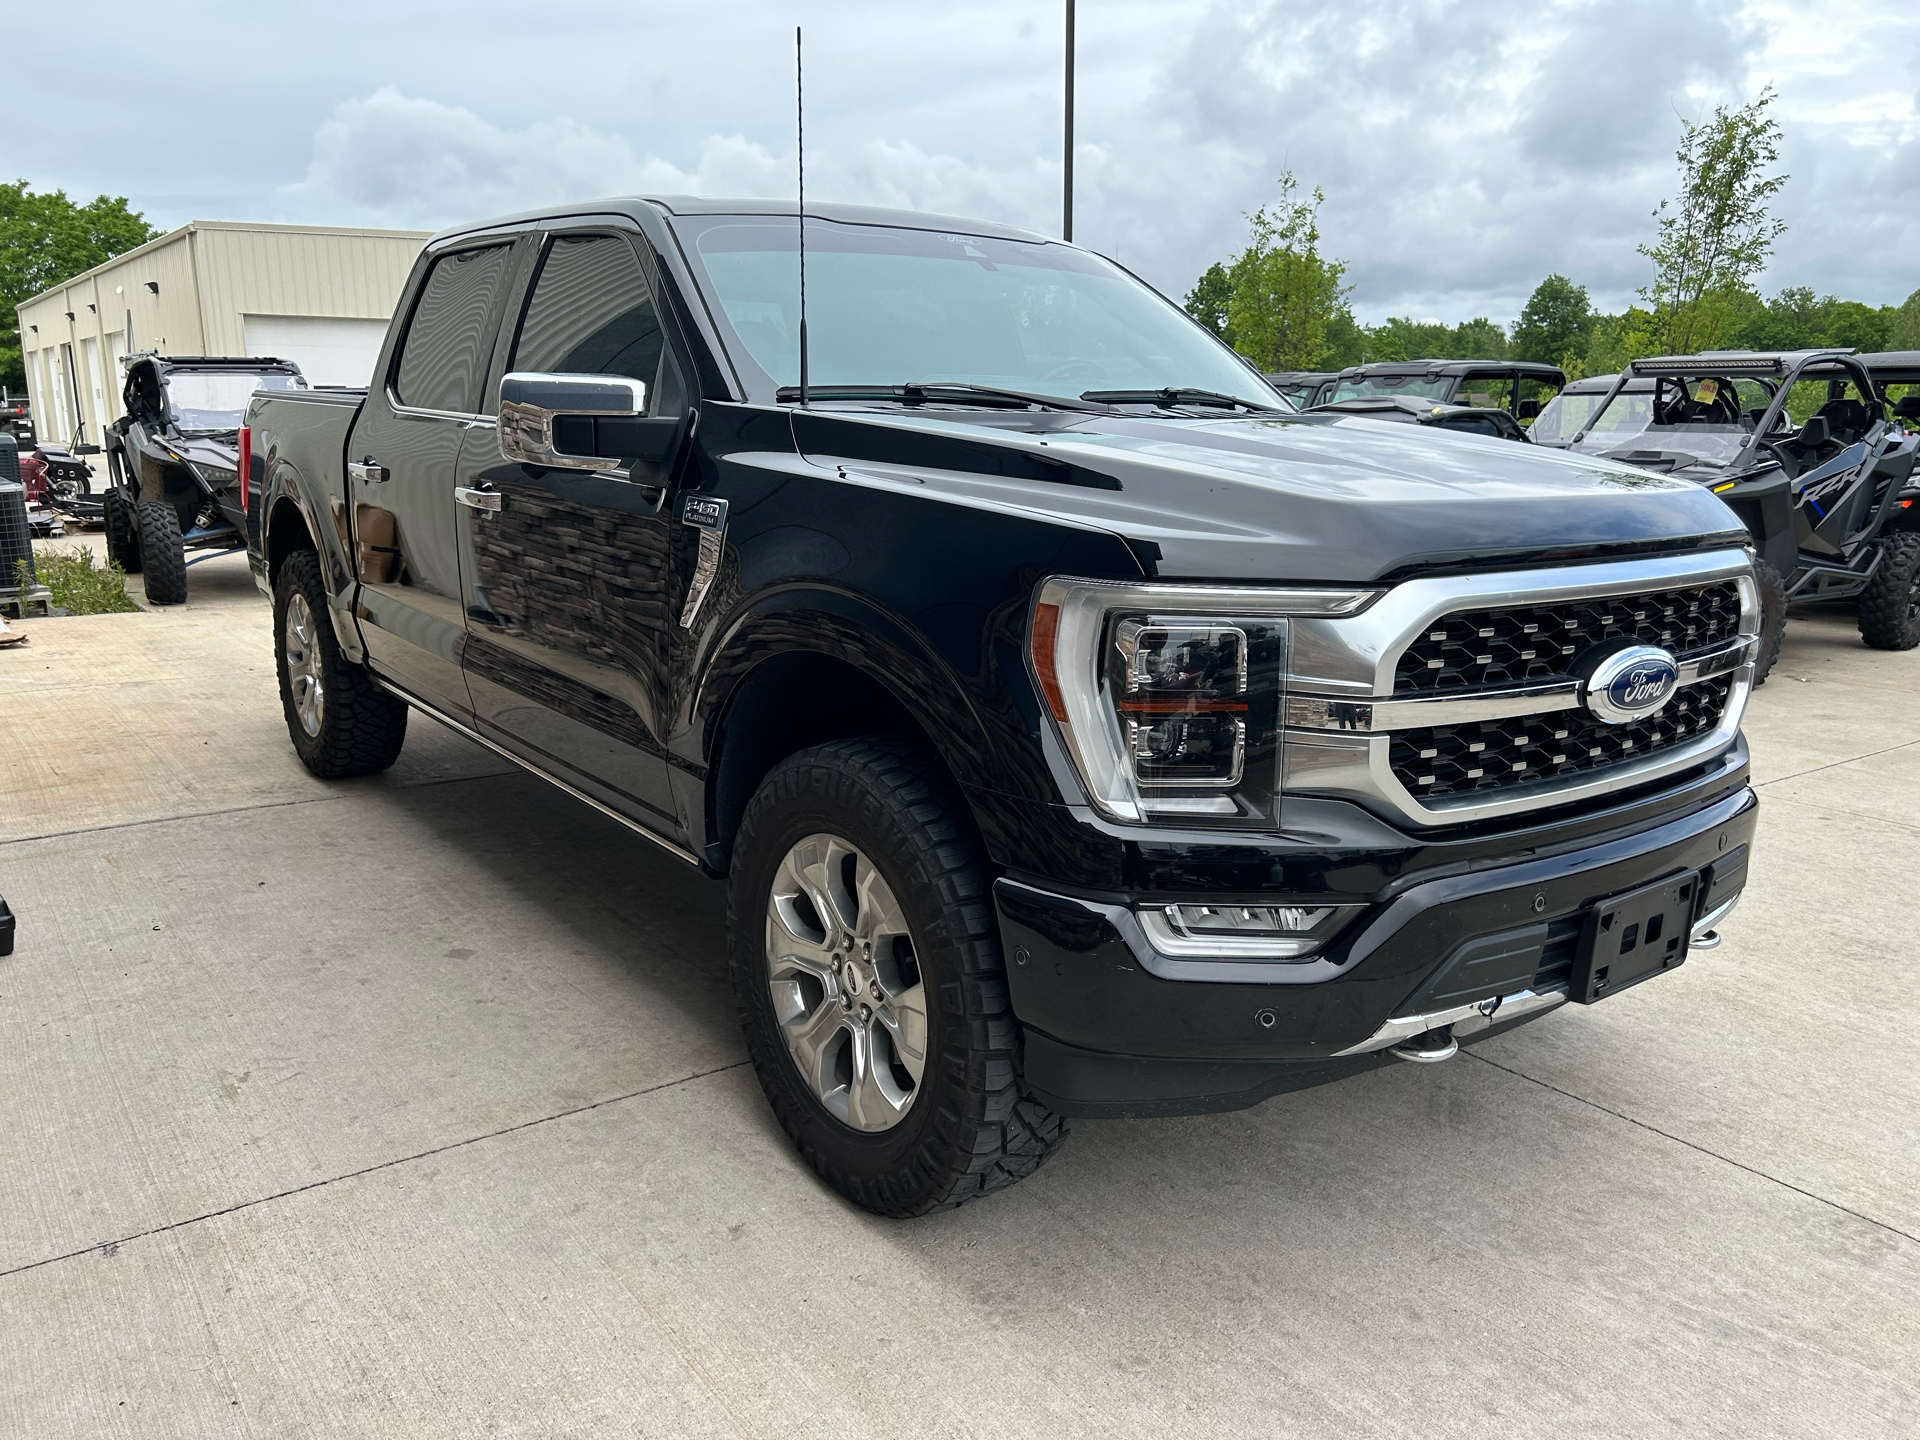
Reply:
x=607, y=810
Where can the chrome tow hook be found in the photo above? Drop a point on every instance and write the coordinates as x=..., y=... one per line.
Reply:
x=1429, y=1047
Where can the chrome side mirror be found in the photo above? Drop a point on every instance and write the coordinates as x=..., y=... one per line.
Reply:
x=561, y=420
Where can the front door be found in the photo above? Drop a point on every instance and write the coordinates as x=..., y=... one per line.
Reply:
x=567, y=599
x=403, y=460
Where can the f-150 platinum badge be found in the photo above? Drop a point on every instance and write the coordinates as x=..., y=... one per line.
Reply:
x=708, y=515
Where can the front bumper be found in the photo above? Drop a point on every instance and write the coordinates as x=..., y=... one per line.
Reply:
x=1115, y=1028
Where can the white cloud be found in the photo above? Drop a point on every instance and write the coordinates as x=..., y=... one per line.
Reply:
x=1466, y=149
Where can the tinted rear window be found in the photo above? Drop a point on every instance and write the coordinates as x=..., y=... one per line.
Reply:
x=444, y=357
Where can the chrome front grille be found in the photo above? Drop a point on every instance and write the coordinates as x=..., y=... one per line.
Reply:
x=1489, y=755
x=1529, y=644
x=1454, y=699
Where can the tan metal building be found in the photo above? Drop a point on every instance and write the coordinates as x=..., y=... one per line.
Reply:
x=317, y=295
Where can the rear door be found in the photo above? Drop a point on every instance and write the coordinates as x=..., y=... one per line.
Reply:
x=402, y=464
x=569, y=577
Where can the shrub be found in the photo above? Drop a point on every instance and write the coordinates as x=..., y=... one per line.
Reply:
x=79, y=586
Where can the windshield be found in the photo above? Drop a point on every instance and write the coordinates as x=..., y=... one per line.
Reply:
x=1677, y=420
x=1414, y=387
x=891, y=306
x=1564, y=416
x=216, y=399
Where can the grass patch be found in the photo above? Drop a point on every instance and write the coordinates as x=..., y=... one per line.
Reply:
x=79, y=586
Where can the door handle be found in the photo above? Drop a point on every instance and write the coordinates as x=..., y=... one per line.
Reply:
x=478, y=499
x=367, y=472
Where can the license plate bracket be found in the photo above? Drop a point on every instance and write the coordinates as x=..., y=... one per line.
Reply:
x=1635, y=936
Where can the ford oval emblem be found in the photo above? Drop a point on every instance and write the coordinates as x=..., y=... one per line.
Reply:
x=1632, y=683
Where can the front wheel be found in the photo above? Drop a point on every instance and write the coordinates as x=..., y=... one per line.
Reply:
x=341, y=723
x=1890, y=605
x=867, y=971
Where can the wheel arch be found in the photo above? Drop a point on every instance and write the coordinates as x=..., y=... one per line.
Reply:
x=287, y=530
x=829, y=667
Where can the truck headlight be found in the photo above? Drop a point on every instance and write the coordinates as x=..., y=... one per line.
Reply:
x=1168, y=698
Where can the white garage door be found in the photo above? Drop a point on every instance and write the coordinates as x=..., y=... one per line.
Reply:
x=327, y=350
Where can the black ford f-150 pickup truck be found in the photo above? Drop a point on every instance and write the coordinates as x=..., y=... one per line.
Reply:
x=1080, y=729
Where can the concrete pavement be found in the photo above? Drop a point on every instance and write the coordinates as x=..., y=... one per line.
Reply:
x=415, y=1106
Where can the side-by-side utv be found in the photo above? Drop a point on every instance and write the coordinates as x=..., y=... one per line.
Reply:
x=1520, y=387
x=1800, y=445
x=174, y=462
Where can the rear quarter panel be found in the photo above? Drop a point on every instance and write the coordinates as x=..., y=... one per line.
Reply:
x=299, y=460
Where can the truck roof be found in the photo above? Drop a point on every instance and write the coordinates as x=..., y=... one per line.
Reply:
x=697, y=205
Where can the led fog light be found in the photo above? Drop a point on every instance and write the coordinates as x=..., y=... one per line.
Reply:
x=1264, y=932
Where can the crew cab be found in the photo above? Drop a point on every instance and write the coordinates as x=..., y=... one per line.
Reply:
x=1079, y=729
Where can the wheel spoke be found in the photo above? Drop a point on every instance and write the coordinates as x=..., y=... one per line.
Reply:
x=905, y=1016
x=879, y=915
x=873, y=1101
x=819, y=870
x=811, y=1038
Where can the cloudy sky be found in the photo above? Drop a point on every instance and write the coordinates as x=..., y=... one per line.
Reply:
x=1466, y=149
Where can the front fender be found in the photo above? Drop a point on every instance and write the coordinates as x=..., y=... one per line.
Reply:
x=983, y=725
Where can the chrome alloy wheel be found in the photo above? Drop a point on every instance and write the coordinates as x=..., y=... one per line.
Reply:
x=846, y=983
x=303, y=665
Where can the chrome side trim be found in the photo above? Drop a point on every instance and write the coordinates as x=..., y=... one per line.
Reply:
x=420, y=412
x=1320, y=712
x=1487, y=1012
x=607, y=810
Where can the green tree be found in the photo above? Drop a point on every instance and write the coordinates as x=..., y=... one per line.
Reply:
x=1615, y=340
x=1477, y=339
x=1717, y=235
x=1284, y=292
x=46, y=238
x=1208, y=300
x=1904, y=331
x=1346, y=341
x=1401, y=338
x=1556, y=321
x=1854, y=325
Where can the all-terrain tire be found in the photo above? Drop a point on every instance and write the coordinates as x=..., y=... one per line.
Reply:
x=163, y=559
x=123, y=538
x=359, y=727
x=1773, y=618
x=972, y=1127
x=1890, y=605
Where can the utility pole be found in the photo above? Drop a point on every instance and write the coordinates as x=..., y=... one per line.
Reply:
x=1066, y=196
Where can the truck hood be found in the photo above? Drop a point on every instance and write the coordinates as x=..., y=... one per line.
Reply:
x=1293, y=498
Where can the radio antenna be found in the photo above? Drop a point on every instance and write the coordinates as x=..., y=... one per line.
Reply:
x=800, y=134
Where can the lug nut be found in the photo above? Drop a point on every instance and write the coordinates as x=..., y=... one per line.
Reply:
x=865, y=1013
x=846, y=1002
x=838, y=964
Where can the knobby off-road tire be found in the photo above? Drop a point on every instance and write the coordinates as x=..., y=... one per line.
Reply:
x=123, y=538
x=1890, y=606
x=969, y=1127
x=342, y=724
x=1773, y=618
x=163, y=559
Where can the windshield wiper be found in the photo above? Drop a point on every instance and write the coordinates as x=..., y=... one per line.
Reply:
x=939, y=392
x=1176, y=395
